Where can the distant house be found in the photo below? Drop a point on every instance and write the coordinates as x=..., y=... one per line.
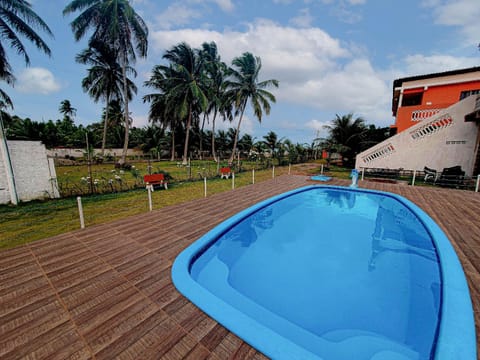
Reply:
x=437, y=119
x=26, y=173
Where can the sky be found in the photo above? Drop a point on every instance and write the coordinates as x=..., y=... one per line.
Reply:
x=330, y=56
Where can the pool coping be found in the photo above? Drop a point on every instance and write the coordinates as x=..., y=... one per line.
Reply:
x=456, y=332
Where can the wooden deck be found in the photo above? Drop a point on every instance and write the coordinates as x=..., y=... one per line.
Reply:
x=105, y=292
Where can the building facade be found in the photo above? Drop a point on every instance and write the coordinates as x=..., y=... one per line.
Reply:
x=437, y=124
x=417, y=98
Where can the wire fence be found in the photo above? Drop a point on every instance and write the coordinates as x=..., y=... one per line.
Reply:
x=40, y=219
x=422, y=178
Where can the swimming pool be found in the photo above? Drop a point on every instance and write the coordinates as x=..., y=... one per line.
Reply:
x=333, y=273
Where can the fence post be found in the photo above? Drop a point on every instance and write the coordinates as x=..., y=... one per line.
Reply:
x=205, y=185
x=289, y=168
x=80, y=212
x=363, y=173
x=478, y=183
x=273, y=171
x=253, y=176
x=150, y=203
x=233, y=180
x=413, y=179
x=321, y=169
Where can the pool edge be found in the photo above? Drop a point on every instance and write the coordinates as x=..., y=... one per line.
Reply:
x=456, y=333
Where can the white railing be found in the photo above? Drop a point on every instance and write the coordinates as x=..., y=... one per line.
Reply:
x=432, y=127
x=419, y=115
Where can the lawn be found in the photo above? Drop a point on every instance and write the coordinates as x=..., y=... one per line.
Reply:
x=36, y=220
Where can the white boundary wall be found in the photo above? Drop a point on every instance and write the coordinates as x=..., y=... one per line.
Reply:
x=440, y=141
x=34, y=173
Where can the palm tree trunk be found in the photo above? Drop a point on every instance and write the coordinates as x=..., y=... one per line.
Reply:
x=232, y=157
x=213, y=136
x=105, y=125
x=187, y=136
x=172, y=158
x=127, y=121
x=201, y=135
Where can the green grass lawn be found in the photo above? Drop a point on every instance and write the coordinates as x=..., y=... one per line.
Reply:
x=36, y=220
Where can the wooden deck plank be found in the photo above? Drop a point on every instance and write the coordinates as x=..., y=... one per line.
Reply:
x=105, y=292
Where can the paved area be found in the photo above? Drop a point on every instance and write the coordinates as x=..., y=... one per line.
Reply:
x=105, y=292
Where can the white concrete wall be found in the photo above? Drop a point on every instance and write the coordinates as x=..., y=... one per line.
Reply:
x=35, y=176
x=61, y=152
x=449, y=145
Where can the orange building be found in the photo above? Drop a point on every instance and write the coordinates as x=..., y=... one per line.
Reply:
x=416, y=98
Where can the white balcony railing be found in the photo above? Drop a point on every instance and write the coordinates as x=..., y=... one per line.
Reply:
x=419, y=115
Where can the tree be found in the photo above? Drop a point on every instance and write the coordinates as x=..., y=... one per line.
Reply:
x=244, y=86
x=216, y=71
x=272, y=142
x=186, y=85
x=104, y=80
x=67, y=110
x=18, y=19
x=113, y=22
x=345, y=136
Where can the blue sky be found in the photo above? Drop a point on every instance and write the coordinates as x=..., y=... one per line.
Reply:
x=330, y=56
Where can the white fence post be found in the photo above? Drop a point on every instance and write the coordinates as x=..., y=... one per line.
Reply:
x=253, y=176
x=363, y=173
x=233, y=180
x=478, y=183
x=414, y=175
x=273, y=171
x=80, y=212
x=150, y=204
x=289, y=168
x=205, y=185
x=321, y=169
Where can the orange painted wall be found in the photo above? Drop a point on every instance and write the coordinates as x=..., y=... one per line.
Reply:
x=440, y=97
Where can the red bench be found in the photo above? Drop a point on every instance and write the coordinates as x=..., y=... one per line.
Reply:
x=155, y=179
x=225, y=172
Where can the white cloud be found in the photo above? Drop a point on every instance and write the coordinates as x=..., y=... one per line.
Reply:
x=36, y=80
x=303, y=19
x=420, y=64
x=463, y=14
x=307, y=63
x=175, y=15
x=318, y=126
x=225, y=5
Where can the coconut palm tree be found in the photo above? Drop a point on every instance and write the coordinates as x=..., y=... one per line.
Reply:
x=104, y=80
x=114, y=22
x=216, y=71
x=244, y=86
x=18, y=19
x=345, y=136
x=67, y=110
x=186, y=83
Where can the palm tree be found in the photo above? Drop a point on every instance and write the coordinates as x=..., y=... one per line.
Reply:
x=186, y=83
x=67, y=110
x=18, y=18
x=216, y=71
x=345, y=136
x=272, y=142
x=162, y=109
x=244, y=86
x=104, y=80
x=114, y=22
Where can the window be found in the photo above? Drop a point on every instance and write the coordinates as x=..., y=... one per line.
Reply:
x=412, y=99
x=467, y=93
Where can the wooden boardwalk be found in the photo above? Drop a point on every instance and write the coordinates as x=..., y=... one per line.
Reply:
x=106, y=293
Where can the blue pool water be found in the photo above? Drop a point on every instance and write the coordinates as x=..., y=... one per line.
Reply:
x=324, y=273
x=320, y=178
